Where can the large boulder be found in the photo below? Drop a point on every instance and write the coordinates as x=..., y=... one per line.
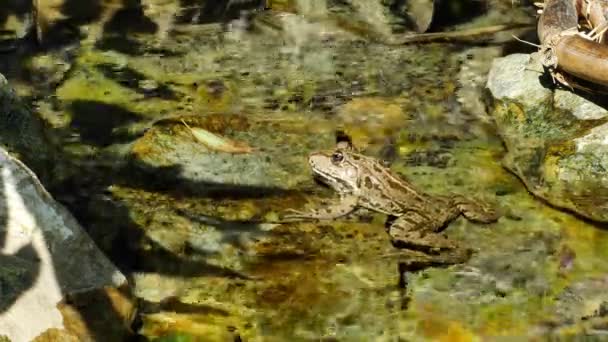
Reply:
x=46, y=262
x=555, y=139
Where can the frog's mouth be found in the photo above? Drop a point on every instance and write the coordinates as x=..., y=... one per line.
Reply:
x=326, y=180
x=321, y=179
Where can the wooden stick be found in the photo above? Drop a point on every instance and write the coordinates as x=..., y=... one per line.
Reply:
x=456, y=36
x=566, y=50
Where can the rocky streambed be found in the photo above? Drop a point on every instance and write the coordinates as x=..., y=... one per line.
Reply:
x=176, y=154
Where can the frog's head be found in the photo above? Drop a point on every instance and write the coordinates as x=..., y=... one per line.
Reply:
x=338, y=169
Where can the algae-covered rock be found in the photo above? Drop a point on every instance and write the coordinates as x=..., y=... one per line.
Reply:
x=204, y=152
x=555, y=140
x=46, y=256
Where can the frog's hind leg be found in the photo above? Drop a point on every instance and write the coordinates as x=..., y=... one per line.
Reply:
x=475, y=211
x=415, y=230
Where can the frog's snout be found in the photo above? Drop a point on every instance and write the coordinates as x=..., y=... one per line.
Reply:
x=315, y=160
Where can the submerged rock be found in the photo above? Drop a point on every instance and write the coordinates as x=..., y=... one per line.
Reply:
x=46, y=257
x=236, y=151
x=555, y=139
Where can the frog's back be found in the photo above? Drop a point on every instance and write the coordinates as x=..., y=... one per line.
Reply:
x=381, y=189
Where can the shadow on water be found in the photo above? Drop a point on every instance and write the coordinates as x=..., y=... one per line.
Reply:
x=448, y=13
x=167, y=179
x=9, y=10
x=136, y=252
x=514, y=46
x=219, y=11
x=119, y=30
x=132, y=79
x=63, y=30
x=14, y=7
x=125, y=241
x=129, y=18
x=131, y=250
x=153, y=257
x=95, y=121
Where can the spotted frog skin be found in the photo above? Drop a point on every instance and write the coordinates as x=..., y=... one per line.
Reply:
x=364, y=182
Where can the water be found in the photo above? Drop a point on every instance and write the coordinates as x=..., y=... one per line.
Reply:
x=179, y=215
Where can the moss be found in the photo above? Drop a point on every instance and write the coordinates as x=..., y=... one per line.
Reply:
x=92, y=86
x=509, y=319
x=514, y=114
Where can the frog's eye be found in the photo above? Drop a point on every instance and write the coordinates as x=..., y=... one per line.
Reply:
x=337, y=157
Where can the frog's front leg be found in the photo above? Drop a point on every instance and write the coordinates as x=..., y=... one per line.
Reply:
x=343, y=207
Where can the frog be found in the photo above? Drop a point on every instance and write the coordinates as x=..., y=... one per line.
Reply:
x=417, y=218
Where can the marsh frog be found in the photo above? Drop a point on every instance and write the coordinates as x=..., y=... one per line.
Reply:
x=365, y=182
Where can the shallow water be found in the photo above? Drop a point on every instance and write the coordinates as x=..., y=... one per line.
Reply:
x=189, y=219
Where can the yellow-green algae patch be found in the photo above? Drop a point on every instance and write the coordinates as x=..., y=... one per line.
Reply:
x=88, y=83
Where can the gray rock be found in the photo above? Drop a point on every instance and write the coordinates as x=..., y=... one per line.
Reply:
x=272, y=164
x=22, y=133
x=555, y=139
x=522, y=82
x=44, y=255
x=580, y=107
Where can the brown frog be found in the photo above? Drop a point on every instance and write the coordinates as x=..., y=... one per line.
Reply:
x=364, y=182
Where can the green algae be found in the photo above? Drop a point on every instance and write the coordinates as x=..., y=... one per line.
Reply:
x=546, y=155
x=93, y=86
